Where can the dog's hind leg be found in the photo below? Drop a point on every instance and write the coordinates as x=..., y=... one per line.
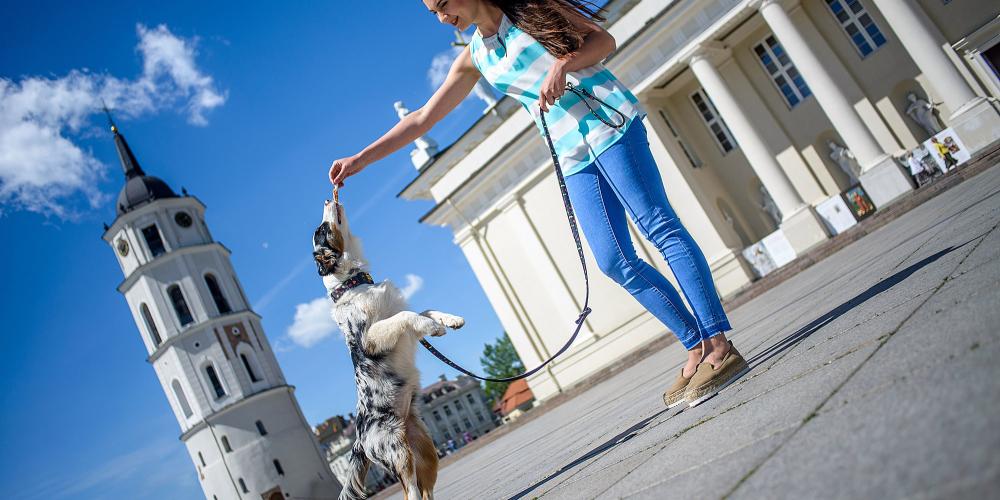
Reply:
x=358, y=463
x=424, y=455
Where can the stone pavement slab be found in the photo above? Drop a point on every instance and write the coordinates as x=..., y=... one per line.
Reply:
x=874, y=375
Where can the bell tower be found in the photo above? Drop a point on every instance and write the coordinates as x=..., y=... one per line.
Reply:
x=239, y=419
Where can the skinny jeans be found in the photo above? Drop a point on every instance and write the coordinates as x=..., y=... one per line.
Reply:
x=624, y=180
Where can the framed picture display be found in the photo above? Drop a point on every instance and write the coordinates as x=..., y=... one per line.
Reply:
x=858, y=201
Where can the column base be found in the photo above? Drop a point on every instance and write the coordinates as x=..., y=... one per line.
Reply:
x=885, y=182
x=803, y=230
x=977, y=124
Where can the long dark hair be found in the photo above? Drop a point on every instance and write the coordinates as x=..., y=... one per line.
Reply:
x=546, y=21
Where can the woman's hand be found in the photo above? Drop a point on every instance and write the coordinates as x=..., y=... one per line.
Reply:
x=554, y=85
x=344, y=168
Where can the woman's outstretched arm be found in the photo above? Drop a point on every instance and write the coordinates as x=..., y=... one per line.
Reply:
x=462, y=77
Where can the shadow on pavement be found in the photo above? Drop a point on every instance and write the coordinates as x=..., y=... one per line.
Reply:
x=807, y=330
x=607, y=445
x=759, y=358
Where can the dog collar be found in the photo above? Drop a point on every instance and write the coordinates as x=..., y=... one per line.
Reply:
x=358, y=279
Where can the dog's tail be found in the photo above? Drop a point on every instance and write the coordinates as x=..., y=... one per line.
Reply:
x=355, y=487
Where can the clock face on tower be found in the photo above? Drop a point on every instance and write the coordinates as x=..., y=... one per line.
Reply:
x=122, y=246
x=183, y=219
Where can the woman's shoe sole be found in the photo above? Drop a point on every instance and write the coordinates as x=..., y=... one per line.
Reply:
x=709, y=395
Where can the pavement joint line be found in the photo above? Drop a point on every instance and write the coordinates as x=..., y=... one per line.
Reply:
x=920, y=369
x=711, y=461
x=855, y=371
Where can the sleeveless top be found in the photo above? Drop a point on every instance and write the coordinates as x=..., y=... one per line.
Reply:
x=516, y=64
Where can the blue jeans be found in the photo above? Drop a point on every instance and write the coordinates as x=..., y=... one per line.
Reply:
x=624, y=179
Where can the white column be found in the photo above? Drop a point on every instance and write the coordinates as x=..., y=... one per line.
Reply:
x=889, y=181
x=924, y=42
x=539, y=258
x=761, y=158
x=834, y=102
x=798, y=222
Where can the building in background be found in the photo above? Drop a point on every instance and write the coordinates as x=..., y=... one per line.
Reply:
x=239, y=419
x=516, y=400
x=456, y=412
x=753, y=106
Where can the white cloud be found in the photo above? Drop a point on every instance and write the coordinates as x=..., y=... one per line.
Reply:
x=440, y=66
x=312, y=323
x=41, y=166
x=413, y=284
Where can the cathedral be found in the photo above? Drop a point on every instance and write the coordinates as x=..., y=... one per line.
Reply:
x=239, y=418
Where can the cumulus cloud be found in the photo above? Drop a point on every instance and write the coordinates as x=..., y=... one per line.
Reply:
x=440, y=66
x=312, y=323
x=41, y=166
x=413, y=284
x=439, y=71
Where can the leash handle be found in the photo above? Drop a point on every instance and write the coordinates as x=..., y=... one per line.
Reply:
x=571, y=217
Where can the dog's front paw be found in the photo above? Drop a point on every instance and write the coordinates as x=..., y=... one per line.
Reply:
x=449, y=320
x=432, y=327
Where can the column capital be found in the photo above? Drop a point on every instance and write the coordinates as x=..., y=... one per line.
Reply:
x=762, y=4
x=712, y=51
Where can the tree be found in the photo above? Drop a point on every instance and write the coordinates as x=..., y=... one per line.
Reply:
x=500, y=360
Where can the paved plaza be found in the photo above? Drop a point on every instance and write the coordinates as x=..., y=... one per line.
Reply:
x=874, y=375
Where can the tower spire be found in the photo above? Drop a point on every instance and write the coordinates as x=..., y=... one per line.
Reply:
x=129, y=164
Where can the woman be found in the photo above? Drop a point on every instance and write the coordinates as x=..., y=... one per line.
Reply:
x=529, y=49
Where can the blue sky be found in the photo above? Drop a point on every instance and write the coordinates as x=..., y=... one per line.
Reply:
x=269, y=95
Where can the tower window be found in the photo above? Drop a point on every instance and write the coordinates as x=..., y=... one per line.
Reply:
x=225, y=444
x=243, y=486
x=216, y=383
x=150, y=325
x=200, y=457
x=220, y=300
x=180, y=305
x=277, y=467
x=246, y=364
x=181, y=399
x=261, y=429
x=153, y=240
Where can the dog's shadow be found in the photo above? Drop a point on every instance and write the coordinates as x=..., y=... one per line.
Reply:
x=762, y=356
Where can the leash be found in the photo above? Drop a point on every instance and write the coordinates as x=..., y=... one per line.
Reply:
x=584, y=95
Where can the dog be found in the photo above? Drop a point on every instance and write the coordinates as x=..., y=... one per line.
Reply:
x=381, y=336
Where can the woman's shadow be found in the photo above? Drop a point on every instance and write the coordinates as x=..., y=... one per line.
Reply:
x=759, y=358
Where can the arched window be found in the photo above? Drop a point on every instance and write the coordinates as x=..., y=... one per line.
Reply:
x=243, y=486
x=150, y=325
x=225, y=444
x=220, y=300
x=249, y=367
x=180, y=305
x=277, y=467
x=181, y=400
x=261, y=429
x=153, y=240
x=216, y=383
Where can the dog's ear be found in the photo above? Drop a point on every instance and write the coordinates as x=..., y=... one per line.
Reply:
x=327, y=248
